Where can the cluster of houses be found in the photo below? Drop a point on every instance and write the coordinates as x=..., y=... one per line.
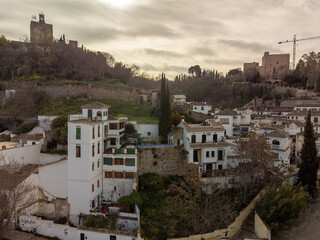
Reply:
x=100, y=166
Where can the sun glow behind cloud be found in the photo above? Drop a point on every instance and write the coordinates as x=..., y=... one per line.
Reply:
x=118, y=3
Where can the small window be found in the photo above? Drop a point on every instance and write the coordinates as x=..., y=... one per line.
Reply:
x=98, y=183
x=78, y=133
x=118, y=161
x=220, y=167
x=98, y=163
x=207, y=154
x=93, y=133
x=195, y=108
x=92, y=166
x=193, y=138
x=92, y=187
x=212, y=154
x=118, y=174
x=202, y=108
x=204, y=138
x=92, y=150
x=78, y=151
x=107, y=161
x=108, y=174
x=112, y=237
x=130, y=162
x=129, y=174
x=98, y=131
x=315, y=119
x=98, y=147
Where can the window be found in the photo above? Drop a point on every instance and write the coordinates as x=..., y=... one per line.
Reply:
x=92, y=166
x=78, y=133
x=212, y=154
x=118, y=174
x=129, y=174
x=195, y=108
x=118, y=161
x=92, y=150
x=98, y=183
x=204, y=138
x=315, y=119
x=207, y=154
x=195, y=156
x=92, y=187
x=82, y=236
x=108, y=174
x=112, y=141
x=105, y=130
x=220, y=155
x=202, y=108
x=112, y=237
x=215, y=137
x=98, y=163
x=130, y=162
x=78, y=151
x=98, y=131
x=193, y=138
x=113, y=126
x=107, y=161
x=93, y=132
x=98, y=147
x=220, y=167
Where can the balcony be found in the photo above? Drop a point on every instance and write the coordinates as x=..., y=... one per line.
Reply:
x=120, y=151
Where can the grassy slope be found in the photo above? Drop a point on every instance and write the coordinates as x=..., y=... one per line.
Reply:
x=133, y=111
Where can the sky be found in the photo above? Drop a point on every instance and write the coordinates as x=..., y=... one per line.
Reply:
x=171, y=35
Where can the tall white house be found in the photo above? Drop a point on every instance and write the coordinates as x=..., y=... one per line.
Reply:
x=96, y=160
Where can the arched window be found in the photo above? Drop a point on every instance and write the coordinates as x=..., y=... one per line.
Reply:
x=99, y=114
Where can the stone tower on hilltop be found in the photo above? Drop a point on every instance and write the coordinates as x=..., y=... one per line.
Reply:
x=41, y=32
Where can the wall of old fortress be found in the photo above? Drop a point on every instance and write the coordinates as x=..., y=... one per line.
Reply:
x=94, y=91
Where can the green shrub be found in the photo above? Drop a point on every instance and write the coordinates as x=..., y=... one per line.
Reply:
x=279, y=207
x=133, y=198
x=95, y=221
x=25, y=127
x=59, y=122
x=5, y=138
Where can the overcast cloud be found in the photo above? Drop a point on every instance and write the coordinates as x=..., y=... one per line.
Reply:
x=170, y=36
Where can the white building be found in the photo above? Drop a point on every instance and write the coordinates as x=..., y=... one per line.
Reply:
x=281, y=145
x=206, y=145
x=307, y=107
x=179, y=99
x=98, y=169
x=201, y=108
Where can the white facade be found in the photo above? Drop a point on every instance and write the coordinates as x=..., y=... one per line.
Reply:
x=149, y=132
x=45, y=121
x=29, y=154
x=95, y=139
x=179, y=99
x=201, y=108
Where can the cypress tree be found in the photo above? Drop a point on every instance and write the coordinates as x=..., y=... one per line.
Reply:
x=308, y=166
x=168, y=111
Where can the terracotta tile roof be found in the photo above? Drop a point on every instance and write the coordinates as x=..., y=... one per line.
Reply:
x=176, y=132
x=228, y=112
x=95, y=105
x=112, y=117
x=201, y=128
x=303, y=113
x=278, y=133
x=35, y=137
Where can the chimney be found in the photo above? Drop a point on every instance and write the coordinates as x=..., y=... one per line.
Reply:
x=182, y=118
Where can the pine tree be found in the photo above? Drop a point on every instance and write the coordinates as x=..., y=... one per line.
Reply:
x=308, y=167
x=165, y=121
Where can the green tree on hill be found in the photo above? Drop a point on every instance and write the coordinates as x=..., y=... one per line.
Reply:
x=309, y=165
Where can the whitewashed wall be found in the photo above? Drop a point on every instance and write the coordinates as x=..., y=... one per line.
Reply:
x=50, y=158
x=23, y=155
x=45, y=121
x=149, y=132
x=53, y=179
x=64, y=232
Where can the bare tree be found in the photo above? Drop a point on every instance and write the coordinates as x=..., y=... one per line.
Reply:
x=17, y=192
x=256, y=166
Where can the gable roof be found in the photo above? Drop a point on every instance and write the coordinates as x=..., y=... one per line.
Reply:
x=95, y=105
x=278, y=133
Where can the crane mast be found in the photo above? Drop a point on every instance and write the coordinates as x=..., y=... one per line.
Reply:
x=294, y=41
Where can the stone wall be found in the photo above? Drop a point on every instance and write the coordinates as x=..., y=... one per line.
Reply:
x=162, y=160
x=54, y=90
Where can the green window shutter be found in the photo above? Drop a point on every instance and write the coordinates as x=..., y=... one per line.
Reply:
x=78, y=133
x=130, y=162
x=118, y=151
x=107, y=161
x=130, y=151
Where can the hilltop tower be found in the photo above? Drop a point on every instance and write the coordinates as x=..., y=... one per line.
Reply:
x=41, y=32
